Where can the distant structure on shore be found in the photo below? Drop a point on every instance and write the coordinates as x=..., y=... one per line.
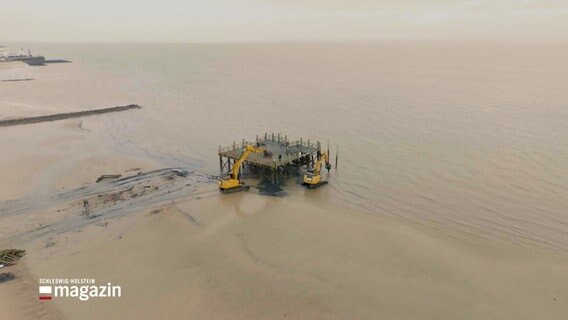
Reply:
x=26, y=57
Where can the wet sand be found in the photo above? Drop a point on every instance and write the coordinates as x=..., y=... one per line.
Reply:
x=253, y=257
x=205, y=255
x=248, y=256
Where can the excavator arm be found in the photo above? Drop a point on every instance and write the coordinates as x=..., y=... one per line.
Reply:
x=323, y=159
x=233, y=183
x=237, y=166
x=313, y=180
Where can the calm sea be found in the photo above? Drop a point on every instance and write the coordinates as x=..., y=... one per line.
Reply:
x=470, y=136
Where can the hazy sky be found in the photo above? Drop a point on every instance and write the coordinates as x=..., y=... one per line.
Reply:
x=277, y=20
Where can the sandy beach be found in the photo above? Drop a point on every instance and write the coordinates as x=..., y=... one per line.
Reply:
x=181, y=250
x=253, y=257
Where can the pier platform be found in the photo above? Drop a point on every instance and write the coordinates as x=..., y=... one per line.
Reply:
x=281, y=156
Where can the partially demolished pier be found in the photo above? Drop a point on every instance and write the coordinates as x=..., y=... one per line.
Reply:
x=281, y=157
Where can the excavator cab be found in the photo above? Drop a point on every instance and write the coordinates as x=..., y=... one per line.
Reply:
x=232, y=185
x=312, y=180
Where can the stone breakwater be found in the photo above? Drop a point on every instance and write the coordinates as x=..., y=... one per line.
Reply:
x=62, y=116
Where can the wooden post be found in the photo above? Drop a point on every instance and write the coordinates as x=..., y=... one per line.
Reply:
x=86, y=208
x=272, y=136
x=220, y=164
x=234, y=145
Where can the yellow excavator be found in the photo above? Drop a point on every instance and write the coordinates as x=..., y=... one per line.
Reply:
x=313, y=178
x=233, y=183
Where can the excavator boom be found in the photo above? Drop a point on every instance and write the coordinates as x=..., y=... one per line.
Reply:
x=234, y=183
x=313, y=180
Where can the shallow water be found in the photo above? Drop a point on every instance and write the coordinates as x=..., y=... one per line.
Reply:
x=470, y=136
